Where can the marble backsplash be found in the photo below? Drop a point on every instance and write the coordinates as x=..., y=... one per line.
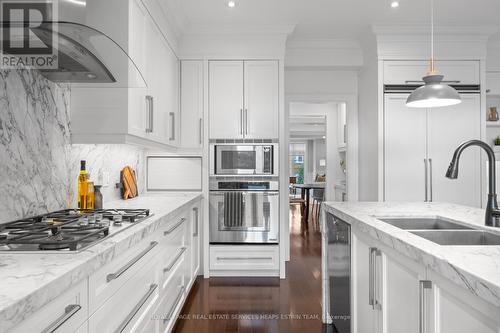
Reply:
x=38, y=164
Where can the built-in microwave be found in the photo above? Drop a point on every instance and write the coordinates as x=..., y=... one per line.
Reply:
x=244, y=159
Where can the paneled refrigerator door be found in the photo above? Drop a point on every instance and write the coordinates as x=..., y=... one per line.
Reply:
x=448, y=128
x=405, y=160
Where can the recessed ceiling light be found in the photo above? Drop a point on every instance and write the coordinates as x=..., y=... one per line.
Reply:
x=395, y=4
x=231, y=4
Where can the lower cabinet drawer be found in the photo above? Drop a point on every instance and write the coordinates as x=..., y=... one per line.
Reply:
x=244, y=257
x=107, y=280
x=131, y=307
x=173, y=294
x=67, y=313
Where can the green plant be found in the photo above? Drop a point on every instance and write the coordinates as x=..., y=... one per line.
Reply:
x=497, y=141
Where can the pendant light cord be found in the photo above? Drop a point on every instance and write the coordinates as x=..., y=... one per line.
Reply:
x=432, y=71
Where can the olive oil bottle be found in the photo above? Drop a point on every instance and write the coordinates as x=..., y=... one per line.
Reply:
x=85, y=189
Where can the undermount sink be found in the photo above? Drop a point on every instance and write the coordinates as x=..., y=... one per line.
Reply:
x=459, y=237
x=422, y=223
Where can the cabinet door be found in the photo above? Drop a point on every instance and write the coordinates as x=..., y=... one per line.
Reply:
x=191, y=104
x=493, y=83
x=456, y=310
x=366, y=318
x=448, y=128
x=261, y=100
x=405, y=150
x=401, y=294
x=226, y=99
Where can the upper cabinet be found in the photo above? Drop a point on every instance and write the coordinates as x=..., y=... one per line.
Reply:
x=243, y=99
x=135, y=113
x=493, y=83
x=192, y=104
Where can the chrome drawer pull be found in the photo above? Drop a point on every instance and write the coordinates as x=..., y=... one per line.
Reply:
x=176, y=302
x=244, y=258
x=69, y=311
x=122, y=270
x=424, y=284
x=169, y=231
x=172, y=263
x=197, y=218
x=136, y=309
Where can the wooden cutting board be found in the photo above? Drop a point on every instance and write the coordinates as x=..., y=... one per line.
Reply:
x=129, y=183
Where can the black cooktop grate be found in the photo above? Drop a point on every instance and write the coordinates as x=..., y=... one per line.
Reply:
x=62, y=229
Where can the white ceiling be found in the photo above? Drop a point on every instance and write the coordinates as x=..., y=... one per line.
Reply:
x=331, y=18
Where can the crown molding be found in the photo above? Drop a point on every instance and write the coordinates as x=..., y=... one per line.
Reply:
x=238, y=30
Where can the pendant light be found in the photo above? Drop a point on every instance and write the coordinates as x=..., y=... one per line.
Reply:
x=434, y=93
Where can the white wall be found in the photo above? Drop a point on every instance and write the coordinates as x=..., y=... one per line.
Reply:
x=493, y=57
x=319, y=154
x=368, y=123
x=320, y=81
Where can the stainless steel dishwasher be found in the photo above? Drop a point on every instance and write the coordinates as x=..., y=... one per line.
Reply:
x=339, y=273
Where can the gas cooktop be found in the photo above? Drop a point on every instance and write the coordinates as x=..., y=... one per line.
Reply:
x=67, y=230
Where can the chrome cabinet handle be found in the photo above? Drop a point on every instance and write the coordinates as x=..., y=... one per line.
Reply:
x=176, y=302
x=426, y=180
x=422, y=320
x=149, y=103
x=244, y=258
x=241, y=121
x=172, y=126
x=69, y=311
x=113, y=276
x=430, y=179
x=174, y=261
x=371, y=276
x=136, y=308
x=197, y=217
x=169, y=231
x=246, y=121
x=420, y=81
x=201, y=131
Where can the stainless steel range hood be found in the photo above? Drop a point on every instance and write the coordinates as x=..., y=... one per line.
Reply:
x=85, y=56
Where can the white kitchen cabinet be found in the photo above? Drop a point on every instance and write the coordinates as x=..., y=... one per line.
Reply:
x=130, y=307
x=404, y=150
x=66, y=313
x=387, y=288
x=392, y=293
x=226, y=99
x=192, y=104
x=366, y=317
x=493, y=83
x=243, y=99
x=419, y=145
x=453, y=309
x=261, y=99
x=253, y=260
x=131, y=112
x=448, y=127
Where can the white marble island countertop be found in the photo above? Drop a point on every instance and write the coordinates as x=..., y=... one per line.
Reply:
x=28, y=281
x=475, y=268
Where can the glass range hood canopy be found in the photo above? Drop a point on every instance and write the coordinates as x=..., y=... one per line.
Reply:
x=86, y=57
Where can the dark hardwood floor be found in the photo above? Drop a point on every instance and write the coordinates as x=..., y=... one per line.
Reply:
x=221, y=305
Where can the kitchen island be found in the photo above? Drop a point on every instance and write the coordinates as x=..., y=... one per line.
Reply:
x=31, y=282
x=401, y=281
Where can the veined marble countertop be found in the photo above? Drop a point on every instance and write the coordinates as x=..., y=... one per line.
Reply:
x=475, y=268
x=28, y=281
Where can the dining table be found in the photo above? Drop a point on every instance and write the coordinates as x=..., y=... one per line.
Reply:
x=305, y=194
